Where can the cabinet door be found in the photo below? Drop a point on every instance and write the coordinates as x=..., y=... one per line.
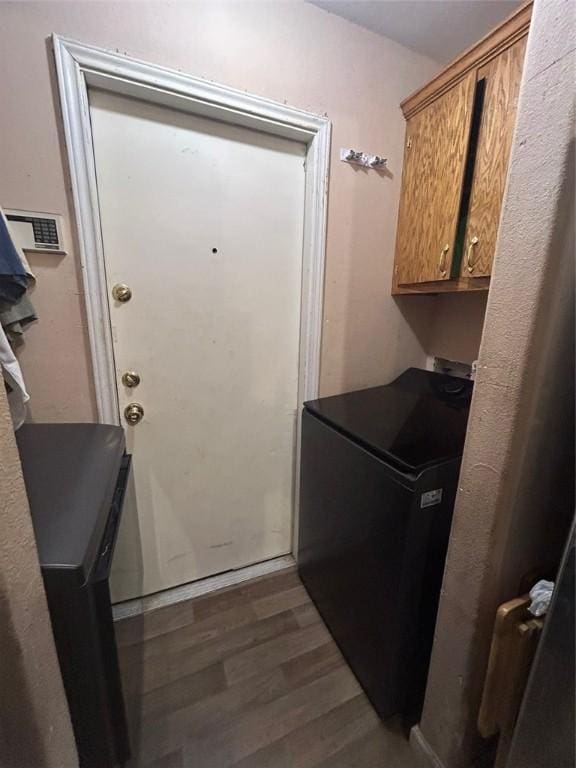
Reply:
x=502, y=76
x=434, y=159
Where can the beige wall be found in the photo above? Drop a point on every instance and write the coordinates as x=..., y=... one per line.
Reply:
x=35, y=729
x=456, y=326
x=516, y=489
x=287, y=51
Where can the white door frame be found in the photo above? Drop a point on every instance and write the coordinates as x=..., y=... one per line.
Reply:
x=80, y=66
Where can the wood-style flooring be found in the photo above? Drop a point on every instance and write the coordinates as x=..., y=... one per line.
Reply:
x=247, y=677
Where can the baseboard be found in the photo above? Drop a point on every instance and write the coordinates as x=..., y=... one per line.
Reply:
x=426, y=756
x=197, y=588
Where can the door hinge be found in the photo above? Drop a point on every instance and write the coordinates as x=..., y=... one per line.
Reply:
x=409, y=143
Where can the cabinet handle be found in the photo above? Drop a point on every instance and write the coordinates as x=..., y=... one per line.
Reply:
x=469, y=262
x=442, y=262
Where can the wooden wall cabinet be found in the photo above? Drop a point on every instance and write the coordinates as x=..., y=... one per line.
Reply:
x=435, y=151
x=459, y=131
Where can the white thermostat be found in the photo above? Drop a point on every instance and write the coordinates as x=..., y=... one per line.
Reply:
x=35, y=231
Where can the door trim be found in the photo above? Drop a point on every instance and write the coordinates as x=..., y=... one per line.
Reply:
x=79, y=66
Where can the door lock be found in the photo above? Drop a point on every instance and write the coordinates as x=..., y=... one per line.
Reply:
x=130, y=379
x=121, y=292
x=133, y=413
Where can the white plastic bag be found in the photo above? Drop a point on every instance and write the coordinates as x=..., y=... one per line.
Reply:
x=541, y=594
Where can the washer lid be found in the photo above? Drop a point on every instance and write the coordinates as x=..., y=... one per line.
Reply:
x=415, y=422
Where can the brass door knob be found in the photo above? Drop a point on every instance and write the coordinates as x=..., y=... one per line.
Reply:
x=121, y=292
x=133, y=413
x=130, y=379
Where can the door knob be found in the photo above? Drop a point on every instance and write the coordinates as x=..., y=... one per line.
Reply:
x=121, y=292
x=130, y=379
x=133, y=413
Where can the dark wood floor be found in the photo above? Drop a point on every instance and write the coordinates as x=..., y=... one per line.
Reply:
x=247, y=677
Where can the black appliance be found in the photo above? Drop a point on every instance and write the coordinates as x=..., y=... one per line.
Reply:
x=76, y=477
x=379, y=469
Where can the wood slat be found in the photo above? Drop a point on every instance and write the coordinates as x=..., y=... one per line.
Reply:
x=274, y=755
x=137, y=629
x=302, y=669
x=379, y=748
x=319, y=739
x=167, y=665
x=161, y=621
x=268, y=723
x=194, y=634
x=271, y=604
x=201, y=721
x=173, y=760
x=274, y=692
x=325, y=736
x=307, y=614
x=272, y=654
x=244, y=593
x=183, y=692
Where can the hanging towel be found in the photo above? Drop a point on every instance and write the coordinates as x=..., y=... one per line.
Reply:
x=17, y=394
x=15, y=311
x=13, y=273
x=15, y=316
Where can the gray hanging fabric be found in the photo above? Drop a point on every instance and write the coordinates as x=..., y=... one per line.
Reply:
x=13, y=274
x=15, y=318
x=16, y=308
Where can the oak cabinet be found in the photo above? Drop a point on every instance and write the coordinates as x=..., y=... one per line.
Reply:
x=459, y=131
x=435, y=150
x=502, y=78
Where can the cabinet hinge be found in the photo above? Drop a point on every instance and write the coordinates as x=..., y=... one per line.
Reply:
x=409, y=143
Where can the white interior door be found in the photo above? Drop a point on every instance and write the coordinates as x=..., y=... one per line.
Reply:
x=204, y=222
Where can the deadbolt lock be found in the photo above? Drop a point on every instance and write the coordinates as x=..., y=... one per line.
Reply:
x=133, y=413
x=130, y=379
x=121, y=292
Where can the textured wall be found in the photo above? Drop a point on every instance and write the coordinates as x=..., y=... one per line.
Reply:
x=35, y=729
x=516, y=489
x=287, y=51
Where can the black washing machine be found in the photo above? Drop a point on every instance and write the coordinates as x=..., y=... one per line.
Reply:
x=379, y=470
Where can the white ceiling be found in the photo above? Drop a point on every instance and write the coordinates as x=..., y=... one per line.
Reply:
x=440, y=29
